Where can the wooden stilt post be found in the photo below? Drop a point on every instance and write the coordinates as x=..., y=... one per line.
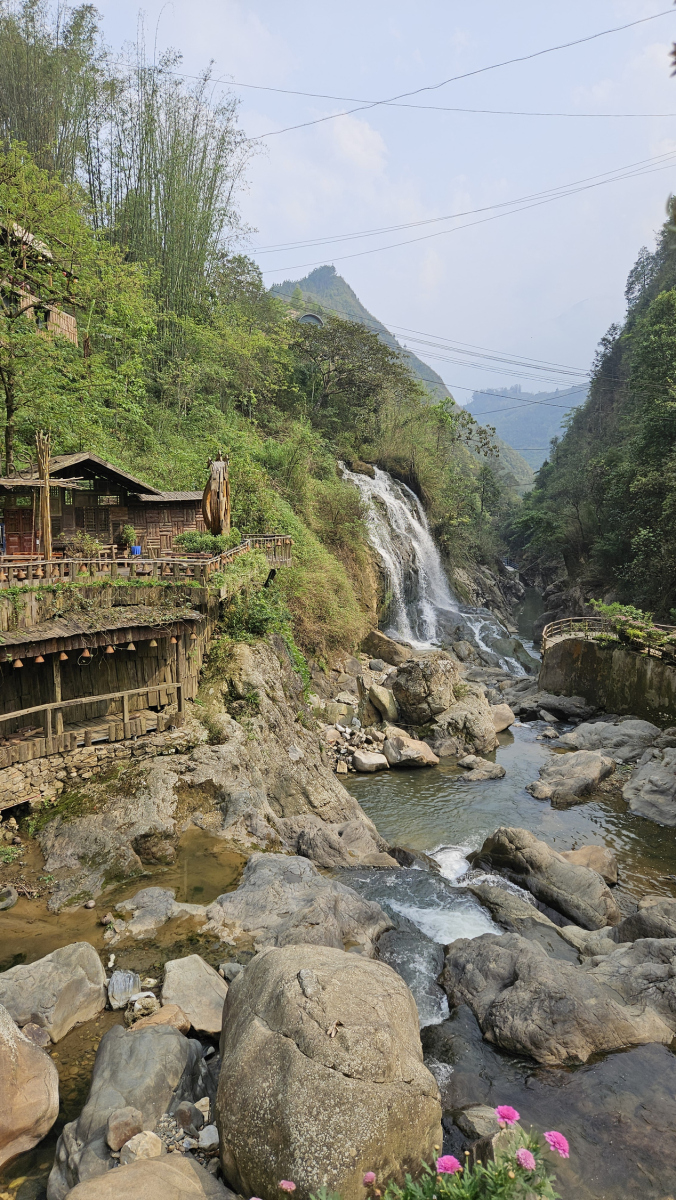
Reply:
x=58, y=714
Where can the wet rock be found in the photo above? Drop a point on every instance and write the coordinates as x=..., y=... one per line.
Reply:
x=316, y=1040
x=171, y=1177
x=37, y=1035
x=151, y=1070
x=503, y=717
x=563, y=708
x=56, y=992
x=574, y=891
x=122, y=985
x=283, y=900
x=169, y=1014
x=478, y=769
x=151, y=908
x=424, y=687
x=518, y=916
x=643, y=974
x=368, y=761
x=142, y=1145
x=381, y=646
x=655, y=920
x=420, y=962
x=123, y=1124
x=30, y=1091
x=597, y=858
x=528, y=1003
x=571, y=775
x=197, y=989
x=624, y=742
x=384, y=701
x=347, y=845
x=402, y=751
x=479, y=1121
x=651, y=792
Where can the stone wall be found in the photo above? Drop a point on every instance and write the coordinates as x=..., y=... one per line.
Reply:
x=612, y=677
x=43, y=779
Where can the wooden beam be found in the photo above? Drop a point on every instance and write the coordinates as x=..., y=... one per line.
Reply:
x=56, y=671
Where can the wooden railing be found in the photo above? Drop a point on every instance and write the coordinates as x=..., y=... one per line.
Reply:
x=24, y=571
x=589, y=628
x=54, y=740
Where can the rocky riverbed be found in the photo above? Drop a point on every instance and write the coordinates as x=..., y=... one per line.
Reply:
x=523, y=919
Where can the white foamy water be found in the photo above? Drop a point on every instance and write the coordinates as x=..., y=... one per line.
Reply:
x=444, y=925
x=452, y=861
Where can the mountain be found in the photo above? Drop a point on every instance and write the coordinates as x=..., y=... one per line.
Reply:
x=325, y=291
x=527, y=420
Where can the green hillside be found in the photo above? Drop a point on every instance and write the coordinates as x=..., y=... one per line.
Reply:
x=528, y=420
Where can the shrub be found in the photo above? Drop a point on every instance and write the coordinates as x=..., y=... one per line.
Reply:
x=208, y=543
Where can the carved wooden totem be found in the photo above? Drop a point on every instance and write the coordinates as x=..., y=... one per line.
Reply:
x=216, y=497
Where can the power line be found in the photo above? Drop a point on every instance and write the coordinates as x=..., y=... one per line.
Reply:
x=561, y=194
x=467, y=75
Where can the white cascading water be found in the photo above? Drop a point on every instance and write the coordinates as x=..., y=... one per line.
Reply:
x=422, y=606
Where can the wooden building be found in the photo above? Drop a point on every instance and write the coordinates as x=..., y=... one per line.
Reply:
x=92, y=496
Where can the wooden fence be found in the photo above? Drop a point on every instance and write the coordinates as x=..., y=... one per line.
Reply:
x=23, y=571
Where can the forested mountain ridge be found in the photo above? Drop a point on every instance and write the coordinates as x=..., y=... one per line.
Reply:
x=325, y=292
x=604, y=504
x=527, y=420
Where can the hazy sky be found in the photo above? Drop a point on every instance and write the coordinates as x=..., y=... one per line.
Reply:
x=544, y=283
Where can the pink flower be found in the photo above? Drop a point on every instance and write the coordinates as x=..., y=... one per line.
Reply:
x=447, y=1165
x=506, y=1114
x=558, y=1142
x=369, y=1178
x=287, y=1185
x=525, y=1159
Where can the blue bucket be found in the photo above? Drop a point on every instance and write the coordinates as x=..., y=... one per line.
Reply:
x=136, y=549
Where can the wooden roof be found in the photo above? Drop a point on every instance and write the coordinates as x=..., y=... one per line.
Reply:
x=62, y=464
x=103, y=626
x=167, y=497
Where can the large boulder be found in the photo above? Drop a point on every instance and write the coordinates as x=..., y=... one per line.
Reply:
x=516, y=915
x=562, y=707
x=502, y=716
x=468, y=722
x=529, y=1003
x=643, y=974
x=383, y=699
x=568, y=776
x=197, y=989
x=572, y=890
x=403, y=751
x=152, y=907
x=380, y=645
x=597, y=858
x=623, y=742
x=348, y=845
x=174, y=1177
x=322, y=1076
x=651, y=791
x=30, y=1091
x=151, y=1070
x=654, y=919
x=56, y=992
x=284, y=900
x=424, y=687
x=367, y=762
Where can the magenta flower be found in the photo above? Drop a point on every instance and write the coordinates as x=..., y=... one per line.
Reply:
x=506, y=1114
x=369, y=1178
x=447, y=1165
x=525, y=1159
x=558, y=1142
x=287, y=1185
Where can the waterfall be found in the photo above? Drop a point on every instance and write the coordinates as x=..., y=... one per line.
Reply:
x=422, y=608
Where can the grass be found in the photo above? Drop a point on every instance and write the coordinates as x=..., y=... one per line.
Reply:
x=9, y=854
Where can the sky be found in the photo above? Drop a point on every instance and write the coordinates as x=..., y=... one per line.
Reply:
x=543, y=283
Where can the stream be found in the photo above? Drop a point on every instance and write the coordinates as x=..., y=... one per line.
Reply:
x=618, y=1111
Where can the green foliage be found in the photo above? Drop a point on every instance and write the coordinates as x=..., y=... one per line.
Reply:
x=83, y=545
x=208, y=543
x=9, y=854
x=252, y=614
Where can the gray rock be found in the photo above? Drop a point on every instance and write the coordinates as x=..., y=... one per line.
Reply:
x=529, y=1003
x=469, y=720
x=56, y=992
x=571, y=775
x=322, y=1048
x=478, y=1122
x=623, y=742
x=283, y=900
x=381, y=646
x=149, y=1069
x=503, y=717
x=231, y=970
x=574, y=891
x=377, y=664
x=197, y=989
x=424, y=687
x=208, y=1138
x=518, y=916
x=384, y=701
x=651, y=792
x=347, y=845
x=420, y=962
x=563, y=708
x=151, y=908
x=656, y=920
x=143, y=1145
x=403, y=751
x=172, y=1177
x=8, y=896
x=643, y=974
x=189, y=1117
x=597, y=858
x=37, y=1035
x=369, y=761
x=122, y=985
x=30, y=1091
x=478, y=769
